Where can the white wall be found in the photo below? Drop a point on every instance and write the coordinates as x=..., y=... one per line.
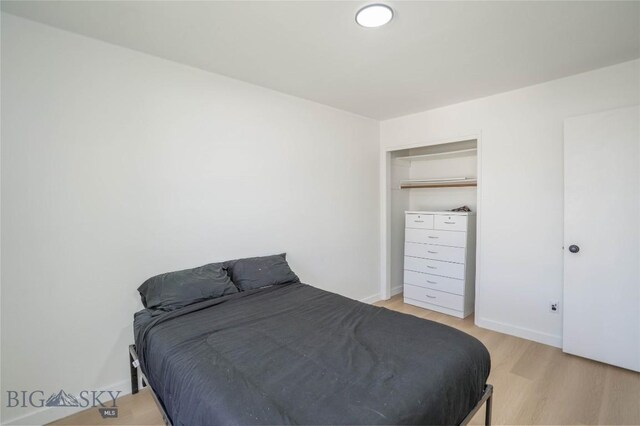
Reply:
x=117, y=166
x=521, y=216
x=444, y=198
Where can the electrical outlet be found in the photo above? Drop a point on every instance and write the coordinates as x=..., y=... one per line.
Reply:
x=554, y=306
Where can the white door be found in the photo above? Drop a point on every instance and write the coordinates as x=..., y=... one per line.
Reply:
x=601, y=317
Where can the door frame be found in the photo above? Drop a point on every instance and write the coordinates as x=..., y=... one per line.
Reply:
x=385, y=206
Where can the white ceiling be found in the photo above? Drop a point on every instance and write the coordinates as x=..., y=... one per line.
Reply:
x=431, y=54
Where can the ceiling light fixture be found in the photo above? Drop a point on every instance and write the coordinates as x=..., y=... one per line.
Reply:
x=374, y=15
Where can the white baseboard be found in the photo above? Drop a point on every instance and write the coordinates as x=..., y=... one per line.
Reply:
x=45, y=415
x=371, y=299
x=376, y=297
x=525, y=333
x=397, y=290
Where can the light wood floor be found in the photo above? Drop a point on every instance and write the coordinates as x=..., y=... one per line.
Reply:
x=533, y=384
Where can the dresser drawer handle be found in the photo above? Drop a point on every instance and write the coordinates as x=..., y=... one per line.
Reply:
x=432, y=252
x=418, y=221
x=432, y=267
x=435, y=238
x=432, y=282
x=431, y=297
x=449, y=223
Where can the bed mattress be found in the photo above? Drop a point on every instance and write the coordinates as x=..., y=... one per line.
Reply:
x=295, y=354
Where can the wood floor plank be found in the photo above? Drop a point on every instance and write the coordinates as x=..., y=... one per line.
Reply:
x=138, y=409
x=621, y=402
x=533, y=384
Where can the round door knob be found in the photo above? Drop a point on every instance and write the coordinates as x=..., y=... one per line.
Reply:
x=574, y=248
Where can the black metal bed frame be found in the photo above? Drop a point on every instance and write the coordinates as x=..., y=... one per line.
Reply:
x=134, y=366
x=486, y=397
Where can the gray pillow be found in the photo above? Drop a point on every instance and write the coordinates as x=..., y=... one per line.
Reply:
x=256, y=272
x=174, y=290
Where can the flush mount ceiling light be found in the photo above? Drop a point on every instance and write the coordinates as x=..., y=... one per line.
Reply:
x=374, y=15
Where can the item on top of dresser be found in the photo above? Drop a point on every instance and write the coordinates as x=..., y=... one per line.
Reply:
x=461, y=209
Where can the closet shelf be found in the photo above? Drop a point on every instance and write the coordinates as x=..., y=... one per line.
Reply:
x=439, y=183
x=456, y=153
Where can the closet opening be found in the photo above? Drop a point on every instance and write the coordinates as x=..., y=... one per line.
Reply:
x=428, y=177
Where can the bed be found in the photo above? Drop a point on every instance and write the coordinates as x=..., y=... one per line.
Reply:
x=295, y=354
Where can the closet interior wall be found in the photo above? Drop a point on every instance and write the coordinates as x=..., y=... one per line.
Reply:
x=450, y=160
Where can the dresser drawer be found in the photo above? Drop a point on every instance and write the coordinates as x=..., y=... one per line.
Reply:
x=424, y=221
x=429, y=251
x=450, y=285
x=450, y=223
x=432, y=236
x=435, y=267
x=447, y=300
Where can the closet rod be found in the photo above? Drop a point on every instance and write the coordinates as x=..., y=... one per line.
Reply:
x=438, y=185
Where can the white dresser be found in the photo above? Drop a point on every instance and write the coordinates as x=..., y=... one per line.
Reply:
x=440, y=261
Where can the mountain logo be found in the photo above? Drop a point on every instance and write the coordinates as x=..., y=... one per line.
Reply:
x=62, y=399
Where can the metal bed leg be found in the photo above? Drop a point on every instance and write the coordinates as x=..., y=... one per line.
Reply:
x=133, y=369
x=484, y=400
x=134, y=364
x=487, y=413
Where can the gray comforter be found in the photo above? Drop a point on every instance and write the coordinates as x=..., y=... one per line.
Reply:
x=294, y=354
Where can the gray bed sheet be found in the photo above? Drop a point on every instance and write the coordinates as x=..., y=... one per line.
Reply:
x=295, y=354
